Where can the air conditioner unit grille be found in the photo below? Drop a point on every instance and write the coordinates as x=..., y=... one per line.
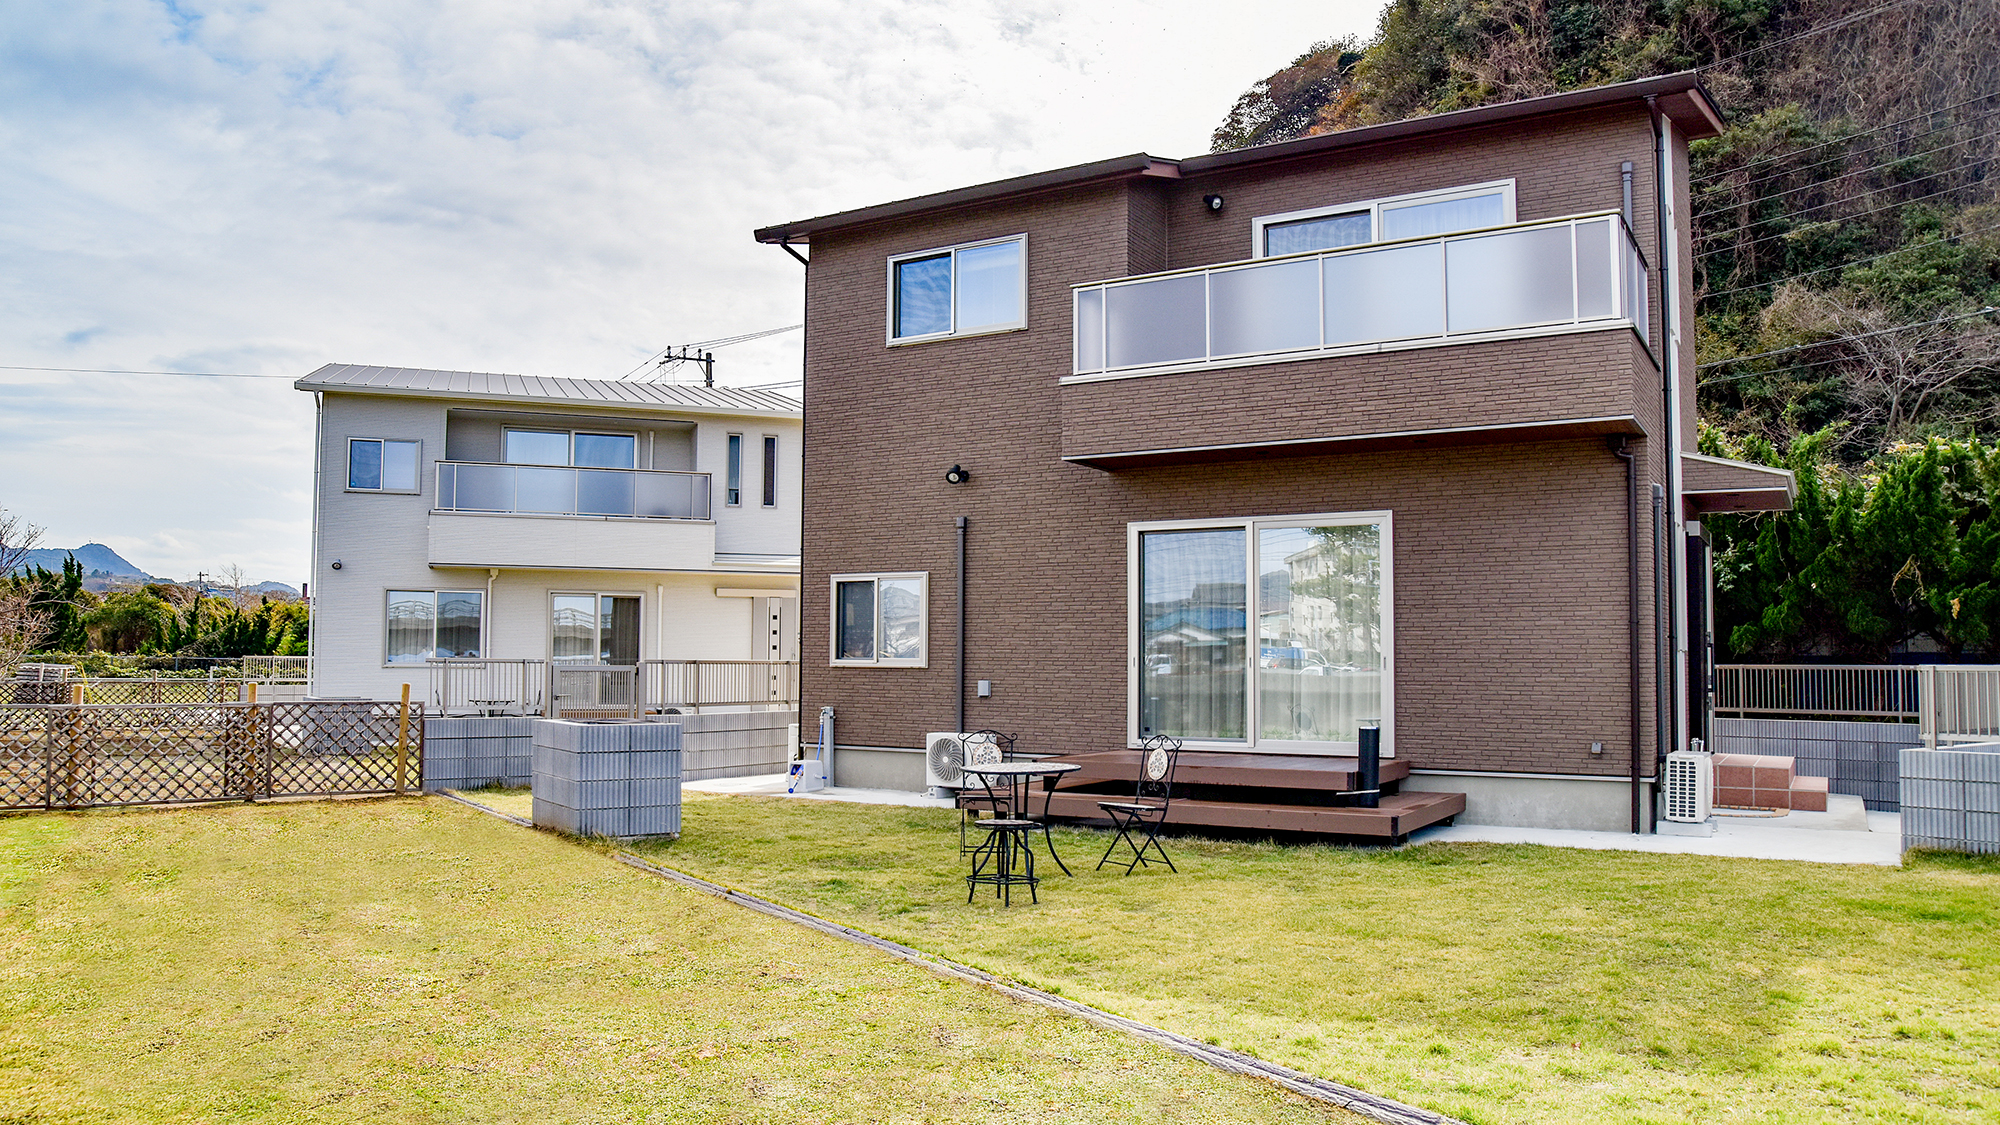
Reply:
x=1689, y=787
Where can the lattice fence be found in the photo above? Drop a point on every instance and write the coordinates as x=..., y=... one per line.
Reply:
x=67, y=757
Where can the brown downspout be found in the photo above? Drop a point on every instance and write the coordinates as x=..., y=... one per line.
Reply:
x=1621, y=448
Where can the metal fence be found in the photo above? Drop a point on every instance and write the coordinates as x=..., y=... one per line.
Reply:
x=477, y=686
x=68, y=757
x=486, y=687
x=278, y=669
x=1961, y=704
x=1746, y=691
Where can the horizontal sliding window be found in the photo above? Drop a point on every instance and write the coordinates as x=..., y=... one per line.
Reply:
x=432, y=623
x=880, y=618
x=1264, y=633
x=1421, y=215
x=380, y=465
x=958, y=290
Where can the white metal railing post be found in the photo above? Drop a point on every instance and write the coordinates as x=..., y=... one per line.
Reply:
x=1927, y=702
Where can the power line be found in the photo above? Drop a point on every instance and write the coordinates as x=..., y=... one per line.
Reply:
x=1931, y=113
x=122, y=371
x=722, y=342
x=1849, y=174
x=1823, y=28
x=1823, y=344
x=1847, y=265
x=1838, y=218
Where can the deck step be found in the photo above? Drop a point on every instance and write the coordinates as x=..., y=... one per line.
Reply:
x=1213, y=768
x=1399, y=815
x=1809, y=794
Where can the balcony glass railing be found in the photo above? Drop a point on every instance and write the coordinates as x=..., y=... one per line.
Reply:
x=1575, y=271
x=558, y=490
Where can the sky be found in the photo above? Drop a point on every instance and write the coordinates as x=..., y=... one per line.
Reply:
x=553, y=187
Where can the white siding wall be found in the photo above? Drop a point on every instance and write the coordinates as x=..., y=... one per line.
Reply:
x=383, y=543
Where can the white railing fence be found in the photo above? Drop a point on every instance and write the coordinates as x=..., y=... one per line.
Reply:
x=478, y=686
x=473, y=686
x=1951, y=703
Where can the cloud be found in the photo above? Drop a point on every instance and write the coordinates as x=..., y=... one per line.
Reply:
x=552, y=186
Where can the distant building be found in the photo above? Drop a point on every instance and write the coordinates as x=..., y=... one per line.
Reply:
x=459, y=514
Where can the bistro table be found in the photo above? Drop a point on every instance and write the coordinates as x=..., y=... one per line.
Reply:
x=1016, y=780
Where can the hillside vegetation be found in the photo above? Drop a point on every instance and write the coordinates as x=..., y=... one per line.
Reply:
x=1847, y=268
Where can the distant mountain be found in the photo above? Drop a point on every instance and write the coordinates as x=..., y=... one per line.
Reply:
x=94, y=558
x=271, y=588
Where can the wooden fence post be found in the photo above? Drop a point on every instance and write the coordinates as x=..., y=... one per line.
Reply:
x=73, y=748
x=403, y=744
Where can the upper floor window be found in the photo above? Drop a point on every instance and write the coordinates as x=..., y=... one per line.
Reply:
x=770, y=471
x=580, y=448
x=958, y=290
x=733, y=476
x=1384, y=220
x=379, y=465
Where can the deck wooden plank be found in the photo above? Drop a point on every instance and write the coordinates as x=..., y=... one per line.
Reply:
x=1399, y=814
x=1211, y=767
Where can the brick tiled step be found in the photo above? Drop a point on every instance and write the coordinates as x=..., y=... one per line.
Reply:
x=1809, y=794
x=1400, y=814
x=1756, y=781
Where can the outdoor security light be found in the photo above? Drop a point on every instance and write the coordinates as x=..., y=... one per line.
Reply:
x=1212, y=201
x=336, y=564
x=957, y=475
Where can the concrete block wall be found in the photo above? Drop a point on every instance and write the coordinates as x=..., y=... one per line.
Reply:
x=736, y=743
x=1951, y=798
x=1856, y=758
x=476, y=753
x=608, y=779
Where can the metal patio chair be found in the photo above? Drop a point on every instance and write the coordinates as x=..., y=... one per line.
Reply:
x=987, y=747
x=1147, y=810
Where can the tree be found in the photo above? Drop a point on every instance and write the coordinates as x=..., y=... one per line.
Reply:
x=61, y=601
x=128, y=621
x=21, y=624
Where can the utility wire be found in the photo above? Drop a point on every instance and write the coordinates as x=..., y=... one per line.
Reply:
x=1706, y=254
x=1847, y=265
x=1850, y=174
x=1720, y=178
x=720, y=342
x=1823, y=344
x=122, y=371
x=1785, y=370
x=1927, y=114
x=1822, y=29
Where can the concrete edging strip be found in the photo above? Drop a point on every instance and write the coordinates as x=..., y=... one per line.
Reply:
x=1385, y=1110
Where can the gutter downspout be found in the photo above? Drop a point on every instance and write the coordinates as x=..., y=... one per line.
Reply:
x=1621, y=448
x=961, y=623
x=1665, y=226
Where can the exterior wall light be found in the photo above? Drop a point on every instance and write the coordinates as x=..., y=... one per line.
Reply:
x=336, y=564
x=957, y=475
x=1213, y=202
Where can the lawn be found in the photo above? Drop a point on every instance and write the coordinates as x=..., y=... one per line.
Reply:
x=1494, y=983
x=419, y=961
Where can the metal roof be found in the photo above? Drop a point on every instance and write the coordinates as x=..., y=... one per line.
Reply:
x=482, y=386
x=1680, y=96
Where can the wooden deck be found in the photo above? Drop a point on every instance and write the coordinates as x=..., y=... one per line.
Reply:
x=1262, y=792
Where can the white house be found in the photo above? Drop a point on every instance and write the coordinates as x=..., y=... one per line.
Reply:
x=582, y=521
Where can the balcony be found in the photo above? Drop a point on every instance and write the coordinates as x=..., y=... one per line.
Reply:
x=559, y=490
x=555, y=517
x=1540, y=278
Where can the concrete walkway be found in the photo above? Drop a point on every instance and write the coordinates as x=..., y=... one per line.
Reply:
x=1845, y=833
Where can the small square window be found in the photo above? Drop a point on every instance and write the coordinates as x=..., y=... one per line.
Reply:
x=380, y=465
x=881, y=619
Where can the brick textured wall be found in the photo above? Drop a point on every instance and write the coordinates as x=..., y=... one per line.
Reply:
x=1510, y=563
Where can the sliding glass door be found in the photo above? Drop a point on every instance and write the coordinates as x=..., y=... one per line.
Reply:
x=1295, y=661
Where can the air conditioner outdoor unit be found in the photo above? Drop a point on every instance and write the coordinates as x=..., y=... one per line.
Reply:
x=945, y=755
x=1689, y=786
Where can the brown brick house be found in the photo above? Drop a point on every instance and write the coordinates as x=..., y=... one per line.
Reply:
x=1256, y=447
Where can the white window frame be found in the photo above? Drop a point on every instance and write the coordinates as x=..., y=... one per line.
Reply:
x=1251, y=743
x=732, y=470
x=385, y=442
x=922, y=660
x=1375, y=207
x=889, y=328
x=431, y=651
x=572, y=432
x=596, y=619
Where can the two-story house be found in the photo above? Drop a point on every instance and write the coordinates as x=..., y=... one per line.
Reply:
x=1255, y=448
x=556, y=521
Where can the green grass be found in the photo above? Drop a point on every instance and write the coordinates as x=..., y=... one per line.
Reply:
x=1495, y=983
x=418, y=961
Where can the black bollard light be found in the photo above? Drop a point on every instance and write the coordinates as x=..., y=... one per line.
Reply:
x=1368, y=792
